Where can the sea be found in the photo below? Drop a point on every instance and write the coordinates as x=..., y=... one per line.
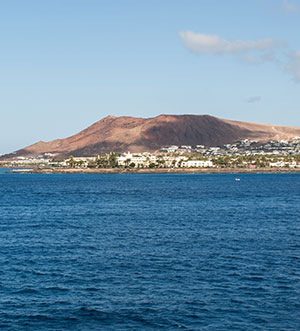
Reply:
x=149, y=251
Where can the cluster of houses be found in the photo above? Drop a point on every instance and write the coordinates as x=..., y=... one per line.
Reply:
x=241, y=147
x=251, y=147
x=244, y=153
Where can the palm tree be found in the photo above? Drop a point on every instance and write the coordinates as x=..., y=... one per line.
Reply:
x=127, y=162
x=71, y=162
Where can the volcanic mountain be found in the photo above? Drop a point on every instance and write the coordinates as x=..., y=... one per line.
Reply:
x=125, y=133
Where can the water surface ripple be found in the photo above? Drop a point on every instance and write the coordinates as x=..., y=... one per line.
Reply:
x=148, y=252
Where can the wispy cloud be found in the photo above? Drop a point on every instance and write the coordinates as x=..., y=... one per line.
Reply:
x=268, y=56
x=283, y=6
x=252, y=52
x=290, y=7
x=213, y=44
x=253, y=99
x=293, y=65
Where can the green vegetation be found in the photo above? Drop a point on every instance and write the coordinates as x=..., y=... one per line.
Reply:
x=106, y=160
x=167, y=160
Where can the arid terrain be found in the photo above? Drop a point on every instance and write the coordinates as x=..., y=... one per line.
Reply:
x=124, y=133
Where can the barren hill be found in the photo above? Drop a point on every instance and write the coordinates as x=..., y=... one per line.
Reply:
x=148, y=134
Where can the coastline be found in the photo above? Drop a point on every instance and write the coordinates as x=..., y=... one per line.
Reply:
x=157, y=171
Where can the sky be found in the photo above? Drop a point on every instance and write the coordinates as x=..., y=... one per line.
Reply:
x=65, y=64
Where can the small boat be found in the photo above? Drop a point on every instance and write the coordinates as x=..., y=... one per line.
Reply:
x=237, y=179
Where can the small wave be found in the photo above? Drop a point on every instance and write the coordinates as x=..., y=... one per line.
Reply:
x=27, y=291
x=56, y=289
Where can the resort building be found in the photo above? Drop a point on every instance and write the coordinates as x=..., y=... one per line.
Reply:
x=197, y=164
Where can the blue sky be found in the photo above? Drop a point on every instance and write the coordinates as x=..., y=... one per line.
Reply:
x=65, y=64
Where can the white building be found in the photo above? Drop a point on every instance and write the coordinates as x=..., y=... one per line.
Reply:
x=196, y=164
x=140, y=160
x=171, y=149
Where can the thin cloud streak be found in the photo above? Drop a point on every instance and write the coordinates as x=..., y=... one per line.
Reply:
x=213, y=44
x=254, y=99
x=290, y=7
x=251, y=52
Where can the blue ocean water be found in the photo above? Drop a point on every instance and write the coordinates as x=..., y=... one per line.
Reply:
x=149, y=252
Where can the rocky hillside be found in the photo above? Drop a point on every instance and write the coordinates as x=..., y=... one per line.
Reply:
x=148, y=134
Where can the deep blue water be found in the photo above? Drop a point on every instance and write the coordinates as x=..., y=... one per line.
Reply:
x=149, y=252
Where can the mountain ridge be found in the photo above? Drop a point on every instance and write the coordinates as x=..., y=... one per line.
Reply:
x=148, y=134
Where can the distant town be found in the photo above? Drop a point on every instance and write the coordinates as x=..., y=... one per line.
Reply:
x=241, y=154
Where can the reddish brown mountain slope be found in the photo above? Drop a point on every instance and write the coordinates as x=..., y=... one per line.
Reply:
x=148, y=134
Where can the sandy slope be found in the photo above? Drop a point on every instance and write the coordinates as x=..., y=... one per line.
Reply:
x=148, y=134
